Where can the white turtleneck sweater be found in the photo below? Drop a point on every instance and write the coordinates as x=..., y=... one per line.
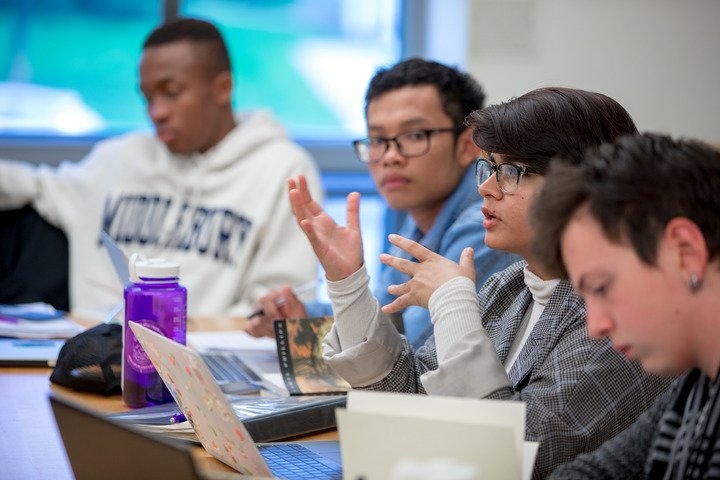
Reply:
x=541, y=291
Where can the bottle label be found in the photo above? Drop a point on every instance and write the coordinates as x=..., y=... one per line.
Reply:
x=136, y=356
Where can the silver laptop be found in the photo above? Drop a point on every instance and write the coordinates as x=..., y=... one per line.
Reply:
x=117, y=257
x=217, y=427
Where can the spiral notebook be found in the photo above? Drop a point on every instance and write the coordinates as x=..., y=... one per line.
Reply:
x=217, y=427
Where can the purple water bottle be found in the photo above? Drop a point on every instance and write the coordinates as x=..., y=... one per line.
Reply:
x=157, y=301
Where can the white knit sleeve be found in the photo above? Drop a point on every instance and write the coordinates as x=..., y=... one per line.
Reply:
x=18, y=183
x=454, y=312
x=363, y=344
x=464, y=350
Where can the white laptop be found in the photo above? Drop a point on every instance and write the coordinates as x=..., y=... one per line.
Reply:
x=218, y=428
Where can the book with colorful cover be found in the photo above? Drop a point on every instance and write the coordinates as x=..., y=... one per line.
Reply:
x=299, y=347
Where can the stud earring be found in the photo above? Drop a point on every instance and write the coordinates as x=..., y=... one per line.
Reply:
x=694, y=283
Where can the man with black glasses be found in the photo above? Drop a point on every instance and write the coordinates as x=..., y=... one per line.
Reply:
x=420, y=155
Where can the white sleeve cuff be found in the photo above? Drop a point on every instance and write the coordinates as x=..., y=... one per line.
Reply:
x=363, y=344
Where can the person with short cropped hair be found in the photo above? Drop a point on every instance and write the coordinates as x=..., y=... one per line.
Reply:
x=206, y=189
x=636, y=228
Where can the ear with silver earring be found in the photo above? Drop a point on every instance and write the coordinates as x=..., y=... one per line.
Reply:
x=694, y=283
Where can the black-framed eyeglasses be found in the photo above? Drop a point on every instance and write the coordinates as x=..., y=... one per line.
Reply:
x=409, y=144
x=508, y=175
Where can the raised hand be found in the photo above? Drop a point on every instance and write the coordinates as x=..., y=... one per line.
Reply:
x=276, y=304
x=428, y=273
x=339, y=249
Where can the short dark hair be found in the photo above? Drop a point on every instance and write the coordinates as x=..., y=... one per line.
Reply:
x=633, y=187
x=197, y=31
x=549, y=122
x=459, y=93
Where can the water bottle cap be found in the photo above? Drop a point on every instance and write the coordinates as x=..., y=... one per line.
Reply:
x=142, y=268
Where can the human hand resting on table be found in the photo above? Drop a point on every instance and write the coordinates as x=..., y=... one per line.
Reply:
x=428, y=273
x=339, y=249
x=275, y=305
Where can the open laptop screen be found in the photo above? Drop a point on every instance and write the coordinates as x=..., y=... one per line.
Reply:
x=101, y=448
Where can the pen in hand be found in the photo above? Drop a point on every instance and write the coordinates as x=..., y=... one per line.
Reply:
x=296, y=291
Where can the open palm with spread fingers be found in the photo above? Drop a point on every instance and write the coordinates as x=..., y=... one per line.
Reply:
x=339, y=249
x=428, y=273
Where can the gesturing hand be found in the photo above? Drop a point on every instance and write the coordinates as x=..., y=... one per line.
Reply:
x=428, y=273
x=339, y=249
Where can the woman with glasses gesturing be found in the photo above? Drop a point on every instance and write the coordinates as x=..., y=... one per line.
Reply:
x=522, y=336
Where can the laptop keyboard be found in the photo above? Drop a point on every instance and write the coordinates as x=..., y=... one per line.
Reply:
x=293, y=461
x=231, y=372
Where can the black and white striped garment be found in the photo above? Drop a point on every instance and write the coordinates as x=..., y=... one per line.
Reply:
x=687, y=444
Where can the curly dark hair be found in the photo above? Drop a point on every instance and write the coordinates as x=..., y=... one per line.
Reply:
x=460, y=93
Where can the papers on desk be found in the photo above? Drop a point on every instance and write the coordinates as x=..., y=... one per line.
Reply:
x=35, y=320
x=230, y=340
x=382, y=432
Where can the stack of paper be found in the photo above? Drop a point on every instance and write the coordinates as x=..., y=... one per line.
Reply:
x=381, y=432
x=35, y=320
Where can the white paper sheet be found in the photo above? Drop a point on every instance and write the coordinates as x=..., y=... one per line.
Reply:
x=391, y=427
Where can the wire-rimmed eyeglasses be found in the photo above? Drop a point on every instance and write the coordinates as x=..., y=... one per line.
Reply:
x=508, y=175
x=408, y=144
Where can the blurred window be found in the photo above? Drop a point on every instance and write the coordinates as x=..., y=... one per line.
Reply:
x=69, y=67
